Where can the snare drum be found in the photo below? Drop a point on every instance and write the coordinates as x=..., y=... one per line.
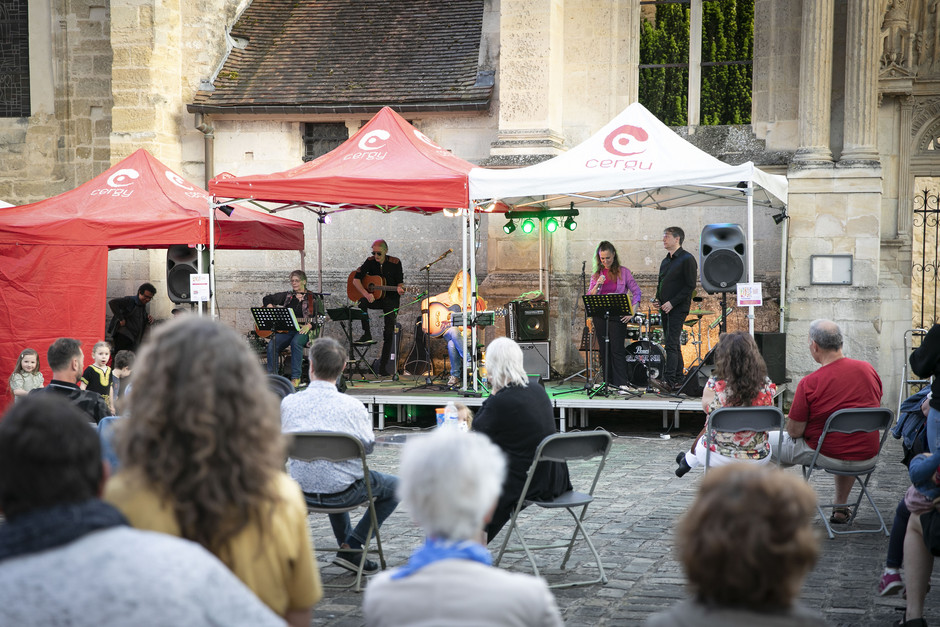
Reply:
x=684, y=337
x=644, y=357
x=633, y=333
x=656, y=320
x=656, y=335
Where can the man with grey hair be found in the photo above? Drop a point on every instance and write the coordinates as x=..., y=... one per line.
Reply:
x=839, y=383
x=321, y=407
x=450, y=482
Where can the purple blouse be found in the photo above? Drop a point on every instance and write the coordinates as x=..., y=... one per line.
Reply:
x=625, y=282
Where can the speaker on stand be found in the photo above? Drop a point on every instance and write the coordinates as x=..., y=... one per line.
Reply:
x=182, y=261
x=722, y=261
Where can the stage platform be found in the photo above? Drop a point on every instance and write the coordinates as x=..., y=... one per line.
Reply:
x=570, y=400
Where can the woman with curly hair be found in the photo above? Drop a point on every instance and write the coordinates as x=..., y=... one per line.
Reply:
x=740, y=380
x=203, y=458
x=746, y=544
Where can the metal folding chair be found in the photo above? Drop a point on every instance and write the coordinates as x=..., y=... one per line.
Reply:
x=736, y=419
x=563, y=447
x=339, y=447
x=864, y=420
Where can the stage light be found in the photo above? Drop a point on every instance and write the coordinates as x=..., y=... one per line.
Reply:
x=451, y=213
x=780, y=217
x=570, y=224
x=509, y=227
x=551, y=225
x=325, y=218
x=229, y=210
x=528, y=225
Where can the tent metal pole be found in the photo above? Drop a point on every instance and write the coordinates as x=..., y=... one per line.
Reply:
x=750, y=244
x=319, y=256
x=211, y=261
x=784, y=255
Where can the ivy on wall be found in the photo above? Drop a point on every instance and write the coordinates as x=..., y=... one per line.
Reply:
x=727, y=50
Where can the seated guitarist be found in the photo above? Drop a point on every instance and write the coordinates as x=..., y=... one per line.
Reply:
x=305, y=305
x=390, y=270
x=452, y=299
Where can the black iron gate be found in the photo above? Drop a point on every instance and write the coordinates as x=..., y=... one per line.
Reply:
x=924, y=268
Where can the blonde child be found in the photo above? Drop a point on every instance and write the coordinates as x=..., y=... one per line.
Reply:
x=464, y=417
x=26, y=375
x=97, y=377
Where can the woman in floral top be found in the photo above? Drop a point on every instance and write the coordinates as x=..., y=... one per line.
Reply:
x=740, y=380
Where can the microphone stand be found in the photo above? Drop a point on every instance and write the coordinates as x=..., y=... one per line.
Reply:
x=589, y=352
x=426, y=316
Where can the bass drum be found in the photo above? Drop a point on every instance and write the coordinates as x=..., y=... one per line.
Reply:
x=642, y=357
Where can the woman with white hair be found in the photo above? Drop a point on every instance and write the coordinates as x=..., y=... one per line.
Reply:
x=516, y=417
x=450, y=481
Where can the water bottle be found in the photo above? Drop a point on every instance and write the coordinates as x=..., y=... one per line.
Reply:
x=450, y=417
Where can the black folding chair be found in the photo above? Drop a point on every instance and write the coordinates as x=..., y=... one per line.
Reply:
x=737, y=419
x=339, y=447
x=864, y=420
x=563, y=447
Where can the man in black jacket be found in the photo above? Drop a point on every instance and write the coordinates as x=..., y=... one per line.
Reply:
x=379, y=264
x=677, y=276
x=66, y=360
x=131, y=319
x=925, y=362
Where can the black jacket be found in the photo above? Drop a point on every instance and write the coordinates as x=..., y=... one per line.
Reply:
x=677, y=275
x=925, y=361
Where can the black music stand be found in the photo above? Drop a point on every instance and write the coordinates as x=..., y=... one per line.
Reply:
x=607, y=305
x=276, y=320
x=357, y=354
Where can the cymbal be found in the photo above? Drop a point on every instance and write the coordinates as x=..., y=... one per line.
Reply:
x=691, y=322
x=701, y=312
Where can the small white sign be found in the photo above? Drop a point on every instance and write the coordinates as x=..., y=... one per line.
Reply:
x=199, y=288
x=749, y=294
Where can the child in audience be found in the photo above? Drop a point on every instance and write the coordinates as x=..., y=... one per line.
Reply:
x=26, y=375
x=464, y=417
x=97, y=376
x=121, y=374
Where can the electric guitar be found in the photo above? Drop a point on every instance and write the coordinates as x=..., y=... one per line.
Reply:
x=438, y=318
x=374, y=284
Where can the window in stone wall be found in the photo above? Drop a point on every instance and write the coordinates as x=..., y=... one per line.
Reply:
x=14, y=59
x=712, y=72
x=322, y=137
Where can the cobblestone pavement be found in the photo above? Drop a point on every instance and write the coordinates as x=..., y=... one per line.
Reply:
x=638, y=501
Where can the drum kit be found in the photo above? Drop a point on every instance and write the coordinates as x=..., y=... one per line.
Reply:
x=646, y=357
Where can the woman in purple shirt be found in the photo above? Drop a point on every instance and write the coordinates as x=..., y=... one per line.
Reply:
x=611, y=278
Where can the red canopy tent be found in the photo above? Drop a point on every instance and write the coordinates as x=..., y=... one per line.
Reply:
x=54, y=253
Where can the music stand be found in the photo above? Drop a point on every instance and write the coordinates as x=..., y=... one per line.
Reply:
x=607, y=305
x=356, y=354
x=276, y=320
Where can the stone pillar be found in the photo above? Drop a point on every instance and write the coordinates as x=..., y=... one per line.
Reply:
x=905, y=182
x=862, y=46
x=531, y=78
x=815, y=82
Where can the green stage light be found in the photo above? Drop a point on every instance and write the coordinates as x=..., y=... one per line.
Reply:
x=551, y=225
x=509, y=227
x=528, y=225
x=570, y=224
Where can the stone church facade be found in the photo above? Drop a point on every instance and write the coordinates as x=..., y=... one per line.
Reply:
x=846, y=103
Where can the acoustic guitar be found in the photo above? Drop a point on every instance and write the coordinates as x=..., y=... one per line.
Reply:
x=438, y=318
x=374, y=284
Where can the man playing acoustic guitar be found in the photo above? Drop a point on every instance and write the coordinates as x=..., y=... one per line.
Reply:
x=386, y=295
x=307, y=308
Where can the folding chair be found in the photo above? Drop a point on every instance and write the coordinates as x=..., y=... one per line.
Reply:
x=864, y=420
x=736, y=419
x=338, y=447
x=563, y=447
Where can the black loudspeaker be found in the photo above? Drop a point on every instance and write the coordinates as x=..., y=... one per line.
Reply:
x=182, y=261
x=773, y=348
x=527, y=320
x=722, y=257
x=536, y=359
x=695, y=381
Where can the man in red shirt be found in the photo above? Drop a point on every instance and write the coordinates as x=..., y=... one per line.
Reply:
x=839, y=383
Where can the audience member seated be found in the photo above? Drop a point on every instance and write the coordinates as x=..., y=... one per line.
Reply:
x=746, y=544
x=740, y=380
x=202, y=458
x=66, y=360
x=517, y=416
x=321, y=407
x=449, y=482
x=922, y=541
x=68, y=558
x=839, y=383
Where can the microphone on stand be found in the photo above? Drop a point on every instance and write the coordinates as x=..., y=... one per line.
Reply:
x=449, y=251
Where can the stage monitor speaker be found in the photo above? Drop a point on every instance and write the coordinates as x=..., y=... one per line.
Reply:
x=527, y=320
x=722, y=257
x=536, y=359
x=773, y=348
x=695, y=381
x=182, y=261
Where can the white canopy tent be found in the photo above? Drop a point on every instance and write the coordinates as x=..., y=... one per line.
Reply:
x=635, y=161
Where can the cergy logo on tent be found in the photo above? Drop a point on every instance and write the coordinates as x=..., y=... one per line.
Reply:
x=623, y=141
x=370, y=144
x=116, y=184
x=179, y=181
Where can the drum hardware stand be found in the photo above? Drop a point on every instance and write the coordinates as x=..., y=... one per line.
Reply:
x=587, y=356
x=698, y=336
x=588, y=340
x=607, y=305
